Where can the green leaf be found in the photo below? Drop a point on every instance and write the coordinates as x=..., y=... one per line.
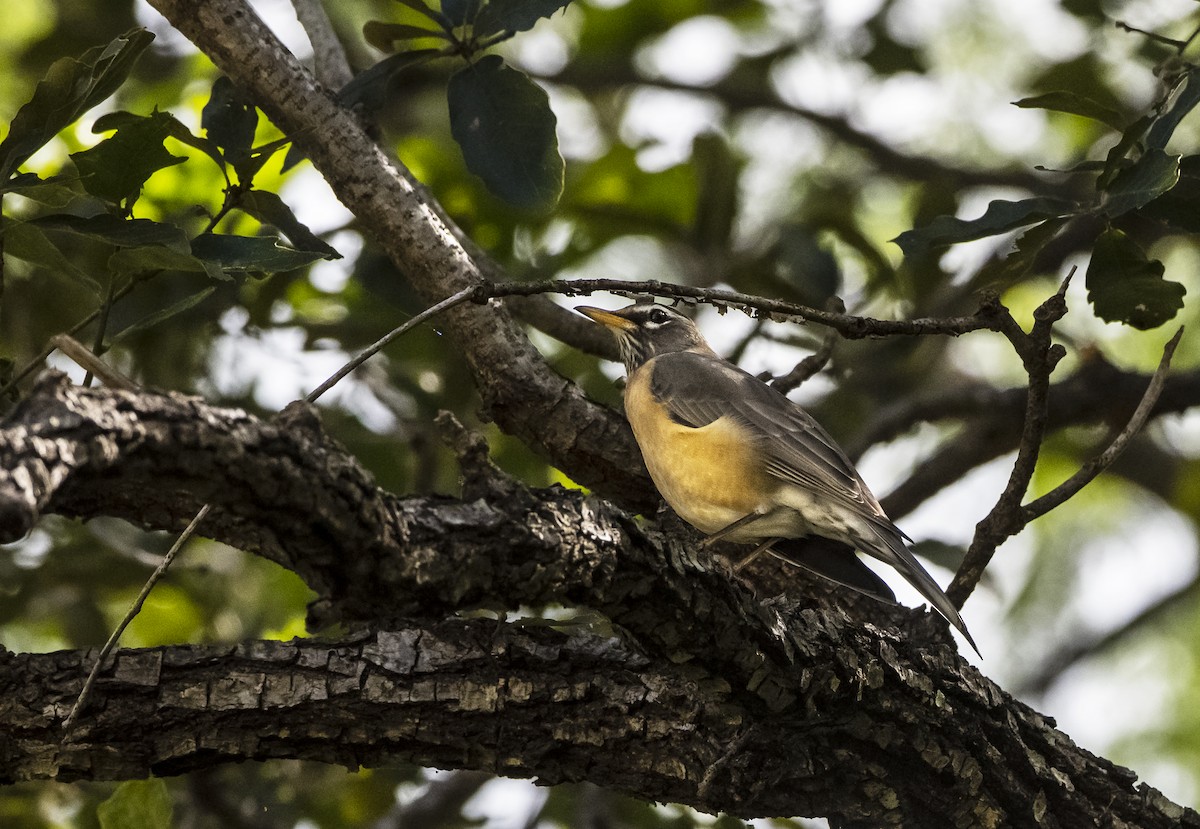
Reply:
x=164, y=314
x=460, y=12
x=230, y=120
x=1124, y=286
x=384, y=36
x=116, y=169
x=27, y=241
x=251, y=254
x=514, y=15
x=1148, y=178
x=1074, y=104
x=69, y=89
x=432, y=13
x=152, y=258
x=171, y=125
x=1000, y=217
x=503, y=123
x=370, y=86
x=1003, y=273
x=269, y=209
x=1116, y=159
x=1183, y=99
x=1179, y=207
x=117, y=231
x=137, y=804
x=56, y=191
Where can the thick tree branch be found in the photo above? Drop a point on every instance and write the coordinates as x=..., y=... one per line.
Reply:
x=523, y=395
x=830, y=715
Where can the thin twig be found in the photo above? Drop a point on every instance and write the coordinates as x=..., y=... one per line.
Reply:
x=989, y=317
x=92, y=364
x=101, y=328
x=368, y=352
x=329, y=58
x=807, y=367
x=1005, y=519
x=1089, y=471
x=134, y=610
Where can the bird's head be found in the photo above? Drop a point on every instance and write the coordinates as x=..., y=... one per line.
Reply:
x=645, y=330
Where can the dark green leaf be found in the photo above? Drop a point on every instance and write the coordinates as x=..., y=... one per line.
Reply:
x=1148, y=178
x=137, y=804
x=27, y=241
x=1179, y=207
x=116, y=169
x=170, y=124
x=164, y=314
x=117, y=231
x=56, y=191
x=432, y=13
x=251, y=254
x=384, y=36
x=230, y=120
x=460, y=12
x=503, y=123
x=1003, y=273
x=70, y=88
x=1074, y=104
x=153, y=258
x=514, y=15
x=1116, y=160
x=1183, y=100
x=369, y=86
x=1124, y=286
x=269, y=209
x=1000, y=217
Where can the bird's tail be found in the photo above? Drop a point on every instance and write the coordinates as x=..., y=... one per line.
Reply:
x=886, y=543
x=834, y=561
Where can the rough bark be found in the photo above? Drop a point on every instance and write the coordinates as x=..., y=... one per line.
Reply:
x=700, y=692
x=519, y=390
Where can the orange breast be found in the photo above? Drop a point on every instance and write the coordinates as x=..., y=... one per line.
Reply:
x=711, y=476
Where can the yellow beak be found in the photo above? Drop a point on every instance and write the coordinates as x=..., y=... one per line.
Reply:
x=606, y=318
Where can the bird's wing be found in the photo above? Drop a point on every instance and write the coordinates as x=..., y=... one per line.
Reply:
x=698, y=389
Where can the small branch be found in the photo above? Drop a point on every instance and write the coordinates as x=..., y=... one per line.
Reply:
x=1089, y=471
x=373, y=349
x=134, y=610
x=329, y=58
x=810, y=365
x=1005, y=519
x=991, y=315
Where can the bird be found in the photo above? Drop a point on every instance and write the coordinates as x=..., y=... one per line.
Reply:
x=738, y=460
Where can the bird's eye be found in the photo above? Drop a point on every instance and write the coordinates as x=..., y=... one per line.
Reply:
x=658, y=316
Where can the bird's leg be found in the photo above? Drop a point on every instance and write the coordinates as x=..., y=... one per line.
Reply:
x=724, y=531
x=753, y=554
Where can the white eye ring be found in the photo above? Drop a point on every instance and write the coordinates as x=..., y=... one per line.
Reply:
x=659, y=316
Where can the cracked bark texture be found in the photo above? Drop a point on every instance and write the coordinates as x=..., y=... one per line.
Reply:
x=695, y=690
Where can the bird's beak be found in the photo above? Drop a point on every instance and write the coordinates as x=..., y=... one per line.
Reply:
x=606, y=318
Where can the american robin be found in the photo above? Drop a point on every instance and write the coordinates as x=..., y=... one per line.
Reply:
x=738, y=460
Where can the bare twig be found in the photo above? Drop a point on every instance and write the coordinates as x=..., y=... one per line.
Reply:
x=1040, y=356
x=1088, y=472
x=87, y=360
x=329, y=58
x=368, y=352
x=991, y=315
x=134, y=610
x=807, y=367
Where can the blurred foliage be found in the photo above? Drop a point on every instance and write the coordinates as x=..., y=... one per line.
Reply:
x=775, y=147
